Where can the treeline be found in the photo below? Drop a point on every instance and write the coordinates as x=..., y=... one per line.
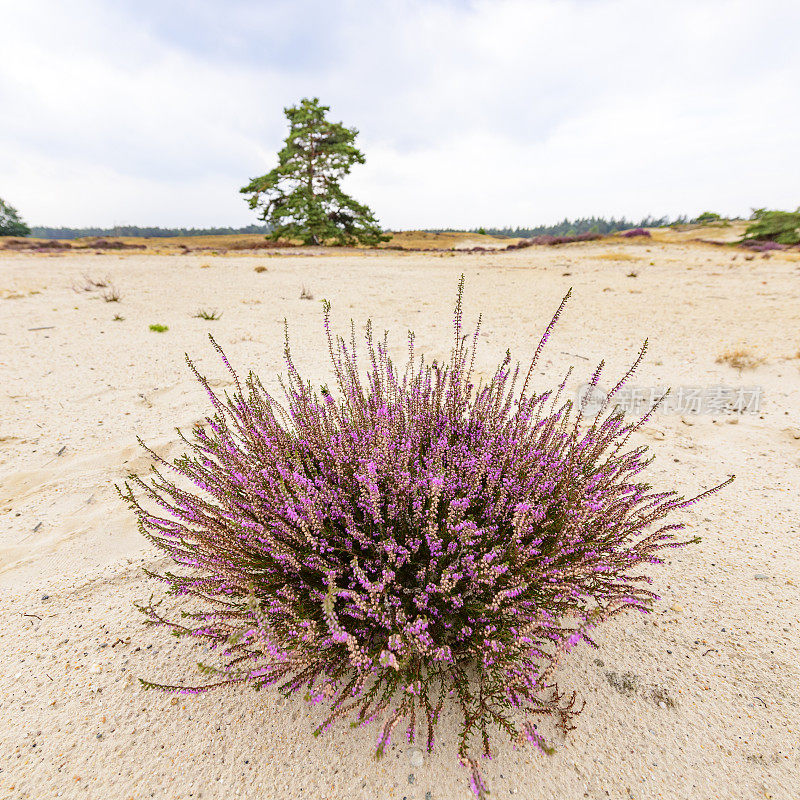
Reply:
x=135, y=230
x=575, y=227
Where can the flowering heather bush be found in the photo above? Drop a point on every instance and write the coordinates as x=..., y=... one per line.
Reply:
x=408, y=541
x=550, y=240
x=636, y=232
x=760, y=246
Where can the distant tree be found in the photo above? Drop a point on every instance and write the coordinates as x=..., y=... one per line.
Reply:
x=583, y=225
x=301, y=198
x=774, y=226
x=11, y=223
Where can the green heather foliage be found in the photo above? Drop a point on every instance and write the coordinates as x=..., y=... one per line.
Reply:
x=11, y=224
x=301, y=198
x=782, y=227
x=707, y=217
x=406, y=540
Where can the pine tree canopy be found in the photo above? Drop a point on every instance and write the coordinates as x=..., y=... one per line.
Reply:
x=302, y=198
x=11, y=223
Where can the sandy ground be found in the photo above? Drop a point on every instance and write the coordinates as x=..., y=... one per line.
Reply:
x=699, y=700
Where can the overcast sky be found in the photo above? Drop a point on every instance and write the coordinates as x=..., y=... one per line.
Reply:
x=504, y=112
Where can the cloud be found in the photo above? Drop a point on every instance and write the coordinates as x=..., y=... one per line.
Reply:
x=470, y=113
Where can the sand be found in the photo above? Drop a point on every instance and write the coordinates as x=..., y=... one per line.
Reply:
x=698, y=700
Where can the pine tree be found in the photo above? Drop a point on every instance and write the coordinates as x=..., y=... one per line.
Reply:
x=301, y=198
x=774, y=226
x=11, y=223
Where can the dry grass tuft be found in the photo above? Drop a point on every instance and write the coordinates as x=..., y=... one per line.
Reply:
x=445, y=240
x=111, y=294
x=90, y=284
x=260, y=268
x=207, y=315
x=616, y=255
x=740, y=359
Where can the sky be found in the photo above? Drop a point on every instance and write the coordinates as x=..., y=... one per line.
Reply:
x=486, y=113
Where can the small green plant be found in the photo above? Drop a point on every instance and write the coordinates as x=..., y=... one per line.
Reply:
x=118, y=318
x=209, y=315
x=782, y=227
x=156, y=328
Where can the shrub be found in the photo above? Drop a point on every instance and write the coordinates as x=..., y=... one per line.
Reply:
x=782, y=227
x=636, y=232
x=707, y=218
x=156, y=328
x=409, y=542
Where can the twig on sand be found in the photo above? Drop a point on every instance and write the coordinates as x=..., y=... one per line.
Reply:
x=564, y=352
x=36, y=616
x=760, y=700
x=63, y=448
x=43, y=328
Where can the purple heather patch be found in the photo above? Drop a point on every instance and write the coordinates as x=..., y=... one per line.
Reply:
x=409, y=542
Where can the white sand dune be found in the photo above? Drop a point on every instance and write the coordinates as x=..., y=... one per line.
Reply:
x=698, y=700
